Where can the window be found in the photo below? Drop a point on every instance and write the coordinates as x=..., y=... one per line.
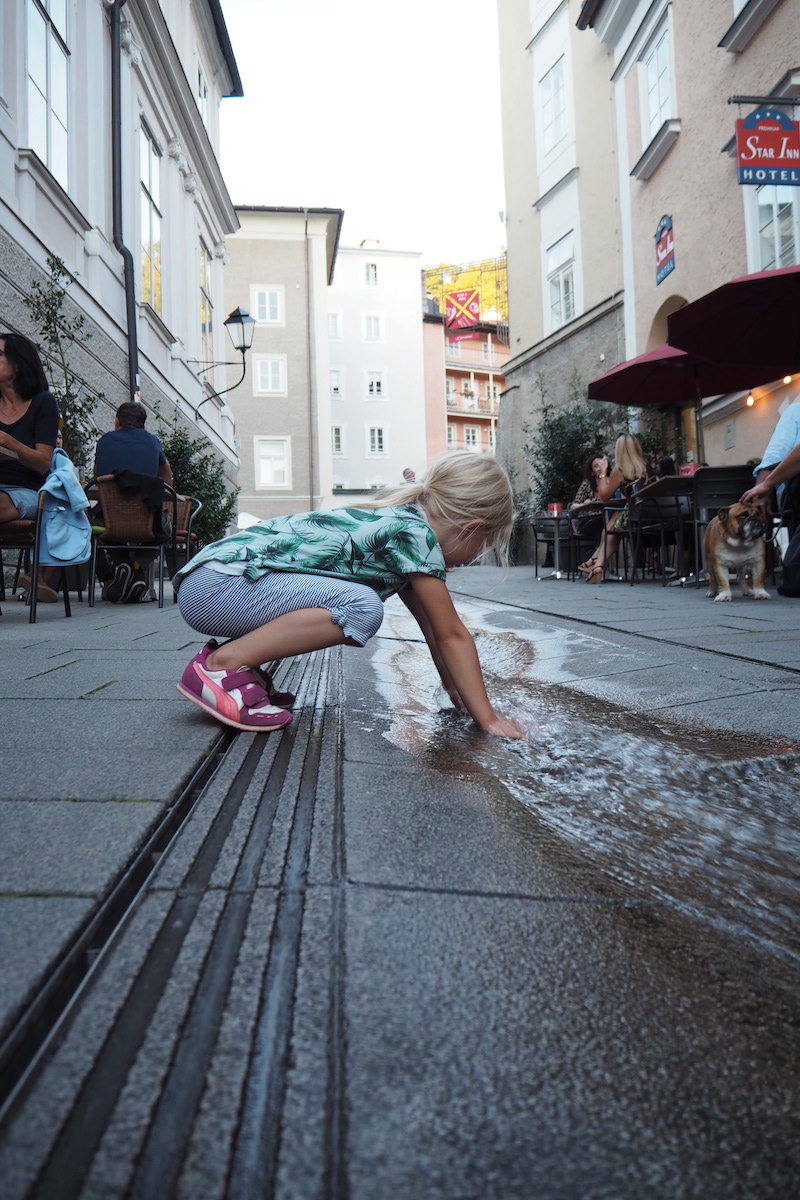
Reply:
x=561, y=281
x=451, y=436
x=373, y=328
x=206, y=307
x=553, y=99
x=491, y=433
x=270, y=375
x=778, y=222
x=336, y=383
x=371, y=273
x=471, y=437
x=337, y=440
x=375, y=383
x=658, y=85
x=272, y=459
x=268, y=305
x=453, y=349
x=272, y=462
x=202, y=96
x=48, y=85
x=486, y=350
x=376, y=439
x=335, y=326
x=449, y=390
x=150, y=194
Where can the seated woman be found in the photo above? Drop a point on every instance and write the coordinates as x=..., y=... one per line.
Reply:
x=586, y=510
x=629, y=470
x=29, y=420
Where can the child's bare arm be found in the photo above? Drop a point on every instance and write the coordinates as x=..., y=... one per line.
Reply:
x=452, y=645
x=409, y=598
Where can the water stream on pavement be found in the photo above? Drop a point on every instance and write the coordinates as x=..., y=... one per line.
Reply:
x=705, y=822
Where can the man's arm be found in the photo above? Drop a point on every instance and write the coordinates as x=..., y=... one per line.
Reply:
x=165, y=472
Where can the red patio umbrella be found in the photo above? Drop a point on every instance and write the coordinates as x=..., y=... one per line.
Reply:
x=670, y=376
x=753, y=321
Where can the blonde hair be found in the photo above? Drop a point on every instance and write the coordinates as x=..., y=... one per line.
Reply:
x=460, y=488
x=628, y=457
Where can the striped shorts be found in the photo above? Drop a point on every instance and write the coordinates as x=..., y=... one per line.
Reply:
x=229, y=606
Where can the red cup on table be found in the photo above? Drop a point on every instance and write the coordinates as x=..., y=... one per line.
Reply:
x=555, y=510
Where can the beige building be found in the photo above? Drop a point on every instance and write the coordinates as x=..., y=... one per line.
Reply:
x=562, y=217
x=280, y=265
x=672, y=68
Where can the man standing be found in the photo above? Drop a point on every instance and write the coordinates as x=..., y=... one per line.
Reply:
x=130, y=447
x=785, y=437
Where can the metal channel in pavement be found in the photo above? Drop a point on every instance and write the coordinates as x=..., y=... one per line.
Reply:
x=292, y=765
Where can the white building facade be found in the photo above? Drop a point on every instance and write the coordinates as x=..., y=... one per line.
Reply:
x=109, y=139
x=376, y=381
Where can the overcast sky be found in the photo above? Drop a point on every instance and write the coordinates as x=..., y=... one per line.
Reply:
x=390, y=112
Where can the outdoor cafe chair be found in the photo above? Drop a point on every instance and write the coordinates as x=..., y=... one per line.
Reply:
x=130, y=523
x=715, y=488
x=184, y=544
x=24, y=537
x=661, y=516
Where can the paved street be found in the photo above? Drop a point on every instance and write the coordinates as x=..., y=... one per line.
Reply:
x=384, y=957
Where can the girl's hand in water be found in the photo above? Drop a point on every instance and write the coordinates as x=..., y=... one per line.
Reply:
x=505, y=727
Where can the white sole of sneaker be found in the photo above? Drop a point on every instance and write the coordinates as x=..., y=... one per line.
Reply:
x=212, y=712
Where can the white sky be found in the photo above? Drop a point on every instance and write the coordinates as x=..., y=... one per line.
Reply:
x=388, y=111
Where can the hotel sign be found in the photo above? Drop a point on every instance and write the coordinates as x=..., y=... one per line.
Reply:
x=768, y=148
x=665, y=249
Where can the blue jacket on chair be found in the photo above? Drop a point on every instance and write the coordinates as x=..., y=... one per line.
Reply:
x=66, y=535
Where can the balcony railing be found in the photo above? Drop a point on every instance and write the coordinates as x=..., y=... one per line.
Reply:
x=471, y=405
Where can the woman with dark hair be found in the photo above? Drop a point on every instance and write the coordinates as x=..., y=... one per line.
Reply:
x=29, y=420
x=586, y=510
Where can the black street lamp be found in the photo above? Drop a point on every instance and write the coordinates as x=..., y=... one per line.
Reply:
x=240, y=326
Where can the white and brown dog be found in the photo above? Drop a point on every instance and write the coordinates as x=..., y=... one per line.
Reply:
x=735, y=541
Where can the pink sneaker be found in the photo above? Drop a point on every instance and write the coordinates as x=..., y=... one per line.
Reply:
x=236, y=698
x=279, y=699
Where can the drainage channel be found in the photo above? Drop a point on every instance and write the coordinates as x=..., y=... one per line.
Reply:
x=283, y=774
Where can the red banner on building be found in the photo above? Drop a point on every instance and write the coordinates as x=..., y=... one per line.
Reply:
x=768, y=148
x=462, y=309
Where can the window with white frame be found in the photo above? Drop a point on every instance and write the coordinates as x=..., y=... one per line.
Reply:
x=375, y=383
x=272, y=462
x=491, y=435
x=449, y=390
x=453, y=349
x=492, y=391
x=335, y=326
x=657, y=82
x=371, y=273
x=451, y=436
x=472, y=437
x=337, y=388
x=553, y=101
x=268, y=304
x=202, y=95
x=337, y=439
x=150, y=215
x=486, y=351
x=48, y=85
x=778, y=226
x=206, y=306
x=373, y=327
x=561, y=281
x=270, y=375
x=376, y=440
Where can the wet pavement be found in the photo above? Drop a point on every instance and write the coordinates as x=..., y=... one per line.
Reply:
x=383, y=955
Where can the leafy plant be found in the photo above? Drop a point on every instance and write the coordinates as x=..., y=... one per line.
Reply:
x=60, y=333
x=196, y=472
x=559, y=444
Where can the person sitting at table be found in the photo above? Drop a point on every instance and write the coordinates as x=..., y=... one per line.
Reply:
x=29, y=420
x=586, y=510
x=630, y=471
x=666, y=466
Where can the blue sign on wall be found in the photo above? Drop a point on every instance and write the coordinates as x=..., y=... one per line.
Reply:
x=665, y=249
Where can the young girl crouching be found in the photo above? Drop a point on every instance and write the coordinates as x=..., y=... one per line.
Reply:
x=307, y=581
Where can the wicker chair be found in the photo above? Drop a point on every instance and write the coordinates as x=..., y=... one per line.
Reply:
x=184, y=541
x=130, y=523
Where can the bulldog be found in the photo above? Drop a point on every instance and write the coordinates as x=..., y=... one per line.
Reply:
x=735, y=541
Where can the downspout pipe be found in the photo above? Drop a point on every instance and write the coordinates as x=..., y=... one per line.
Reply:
x=116, y=175
x=309, y=376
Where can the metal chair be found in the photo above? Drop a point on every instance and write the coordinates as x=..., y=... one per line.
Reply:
x=131, y=523
x=715, y=488
x=23, y=537
x=660, y=514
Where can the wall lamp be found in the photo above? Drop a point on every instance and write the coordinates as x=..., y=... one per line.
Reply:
x=240, y=326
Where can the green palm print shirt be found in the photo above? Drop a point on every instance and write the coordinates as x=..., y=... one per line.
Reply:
x=379, y=547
